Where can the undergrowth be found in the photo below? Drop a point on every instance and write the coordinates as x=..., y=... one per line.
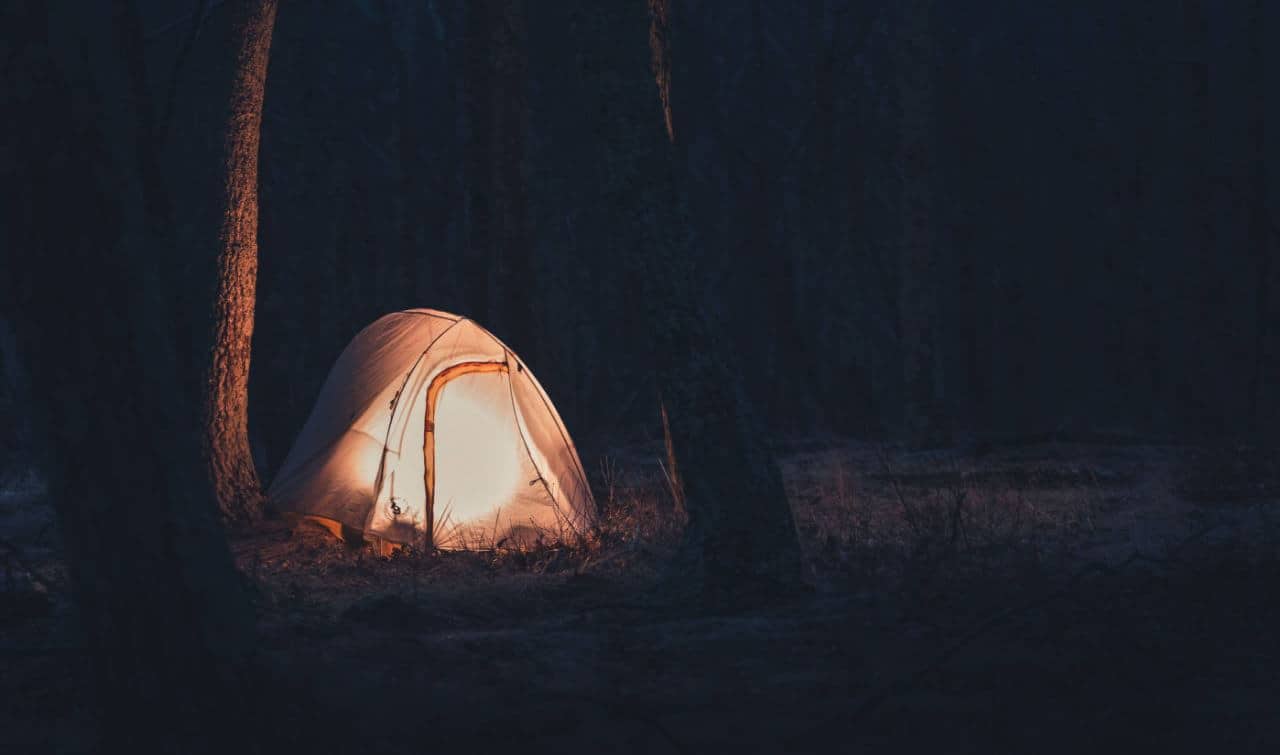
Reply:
x=861, y=519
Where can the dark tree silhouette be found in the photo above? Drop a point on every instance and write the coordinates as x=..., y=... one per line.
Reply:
x=514, y=275
x=922, y=364
x=159, y=600
x=500, y=270
x=1259, y=232
x=477, y=173
x=1196, y=384
x=740, y=531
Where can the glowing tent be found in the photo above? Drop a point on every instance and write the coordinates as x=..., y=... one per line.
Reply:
x=429, y=429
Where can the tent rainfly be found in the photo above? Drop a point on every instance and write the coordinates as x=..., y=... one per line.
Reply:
x=430, y=430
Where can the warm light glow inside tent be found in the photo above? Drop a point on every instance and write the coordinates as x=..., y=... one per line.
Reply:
x=429, y=427
x=477, y=454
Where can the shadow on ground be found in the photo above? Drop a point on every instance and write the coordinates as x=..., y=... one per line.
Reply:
x=1114, y=613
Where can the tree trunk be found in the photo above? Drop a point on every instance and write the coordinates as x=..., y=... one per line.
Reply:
x=515, y=315
x=923, y=416
x=820, y=237
x=1259, y=232
x=784, y=366
x=477, y=124
x=405, y=289
x=226, y=409
x=499, y=261
x=740, y=533
x=15, y=413
x=1141, y=380
x=168, y=626
x=403, y=269
x=1198, y=387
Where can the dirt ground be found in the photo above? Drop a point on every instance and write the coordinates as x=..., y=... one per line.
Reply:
x=1044, y=598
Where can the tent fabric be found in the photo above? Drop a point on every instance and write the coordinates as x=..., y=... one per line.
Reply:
x=429, y=426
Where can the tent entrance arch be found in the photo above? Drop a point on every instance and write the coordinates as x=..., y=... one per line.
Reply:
x=431, y=430
x=434, y=390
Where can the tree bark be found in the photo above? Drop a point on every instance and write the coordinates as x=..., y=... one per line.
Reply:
x=226, y=409
x=740, y=531
x=168, y=627
x=660, y=62
x=924, y=420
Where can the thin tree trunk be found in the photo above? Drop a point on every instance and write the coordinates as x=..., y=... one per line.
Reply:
x=402, y=271
x=1198, y=385
x=820, y=238
x=1140, y=351
x=784, y=367
x=1258, y=233
x=740, y=532
x=923, y=419
x=512, y=254
x=660, y=61
x=405, y=287
x=477, y=176
x=15, y=414
x=168, y=626
x=226, y=410
x=499, y=263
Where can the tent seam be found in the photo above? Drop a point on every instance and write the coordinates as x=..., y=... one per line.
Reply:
x=391, y=420
x=546, y=403
x=515, y=412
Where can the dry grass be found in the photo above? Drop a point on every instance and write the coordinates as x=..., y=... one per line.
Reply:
x=868, y=518
x=300, y=572
x=864, y=514
x=874, y=511
x=1229, y=473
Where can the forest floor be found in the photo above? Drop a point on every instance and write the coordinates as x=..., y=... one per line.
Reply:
x=1022, y=598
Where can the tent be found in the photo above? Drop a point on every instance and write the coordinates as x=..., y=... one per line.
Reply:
x=429, y=429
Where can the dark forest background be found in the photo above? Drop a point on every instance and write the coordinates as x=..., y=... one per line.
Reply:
x=1026, y=249
x=1089, y=183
